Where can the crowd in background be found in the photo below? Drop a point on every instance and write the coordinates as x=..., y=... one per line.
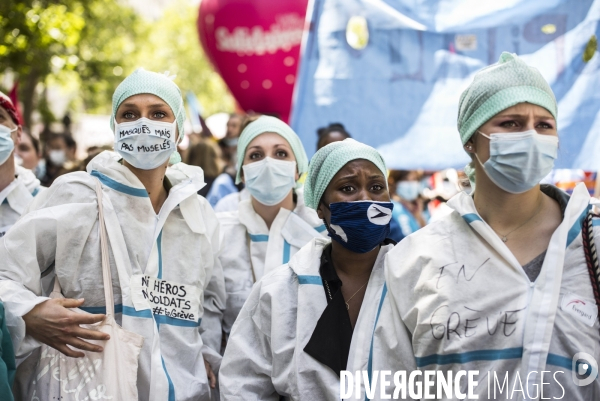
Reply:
x=52, y=155
x=418, y=195
x=249, y=272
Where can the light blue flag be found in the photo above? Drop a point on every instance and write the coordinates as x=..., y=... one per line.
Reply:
x=194, y=111
x=400, y=93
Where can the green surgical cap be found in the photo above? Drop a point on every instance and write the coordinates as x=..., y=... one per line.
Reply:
x=275, y=125
x=499, y=86
x=330, y=159
x=142, y=81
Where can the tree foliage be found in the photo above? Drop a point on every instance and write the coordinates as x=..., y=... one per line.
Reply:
x=173, y=45
x=107, y=51
x=38, y=38
x=94, y=44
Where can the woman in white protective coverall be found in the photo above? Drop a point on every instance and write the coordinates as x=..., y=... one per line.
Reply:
x=309, y=320
x=18, y=185
x=154, y=219
x=502, y=285
x=273, y=224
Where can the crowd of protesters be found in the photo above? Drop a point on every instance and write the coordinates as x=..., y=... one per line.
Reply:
x=238, y=268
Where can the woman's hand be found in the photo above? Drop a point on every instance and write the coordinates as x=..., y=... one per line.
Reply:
x=212, y=379
x=53, y=324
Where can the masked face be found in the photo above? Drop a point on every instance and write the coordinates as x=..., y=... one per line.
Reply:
x=6, y=143
x=145, y=131
x=269, y=170
x=57, y=157
x=516, y=148
x=408, y=190
x=269, y=181
x=519, y=161
x=356, y=207
x=145, y=144
x=360, y=226
x=9, y=134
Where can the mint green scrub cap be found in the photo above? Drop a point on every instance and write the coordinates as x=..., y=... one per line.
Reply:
x=499, y=86
x=330, y=159
x=496, y=88
x=142, y=81
x=270, y=124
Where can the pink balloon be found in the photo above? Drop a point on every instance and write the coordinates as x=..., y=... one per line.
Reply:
x=255, y=47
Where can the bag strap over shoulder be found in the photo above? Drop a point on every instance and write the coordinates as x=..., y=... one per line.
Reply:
x=106, y=273
x=591, y=256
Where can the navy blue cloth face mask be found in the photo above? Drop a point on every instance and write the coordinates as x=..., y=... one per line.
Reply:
x=360, y=226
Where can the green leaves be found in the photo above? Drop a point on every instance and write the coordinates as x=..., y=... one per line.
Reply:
x=93, y=44
x=34, y=32
x=173, y=45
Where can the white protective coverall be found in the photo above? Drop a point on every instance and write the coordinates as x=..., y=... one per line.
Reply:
x=229, y=203
x=179, y=245
x=265, y=356
x=469, y=305
x=245, y=233
x=15, y=198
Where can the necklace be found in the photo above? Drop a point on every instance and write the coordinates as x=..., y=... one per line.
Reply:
x=361, y=287
x=504, y=237
x=346, y=302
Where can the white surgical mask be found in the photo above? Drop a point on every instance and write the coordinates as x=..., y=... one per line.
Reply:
x=6, y=143
x=269, y=181
x=57, y=157
x=519, y=161
x=144, y=143
x=18, y=160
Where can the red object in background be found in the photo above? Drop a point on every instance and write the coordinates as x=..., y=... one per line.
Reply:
x=255, y=47
x=14, y=98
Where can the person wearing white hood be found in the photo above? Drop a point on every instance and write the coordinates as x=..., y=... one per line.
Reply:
x=267, y=229
x=18, y=185
x=309, y=320
x=507, y=283
x=161, y=233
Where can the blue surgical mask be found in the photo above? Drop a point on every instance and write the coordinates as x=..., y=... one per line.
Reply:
x=6, y=143
x=145, y=144
x=40, y=169
x=360, y=226
x=408, y=190
x=519, y=161
x=269, y=181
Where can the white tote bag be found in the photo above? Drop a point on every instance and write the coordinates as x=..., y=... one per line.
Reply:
x=111, y=374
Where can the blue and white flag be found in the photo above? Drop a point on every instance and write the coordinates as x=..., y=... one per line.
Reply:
x=400, y=92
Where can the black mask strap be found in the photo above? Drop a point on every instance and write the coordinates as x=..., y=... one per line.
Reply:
x=324, y=221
